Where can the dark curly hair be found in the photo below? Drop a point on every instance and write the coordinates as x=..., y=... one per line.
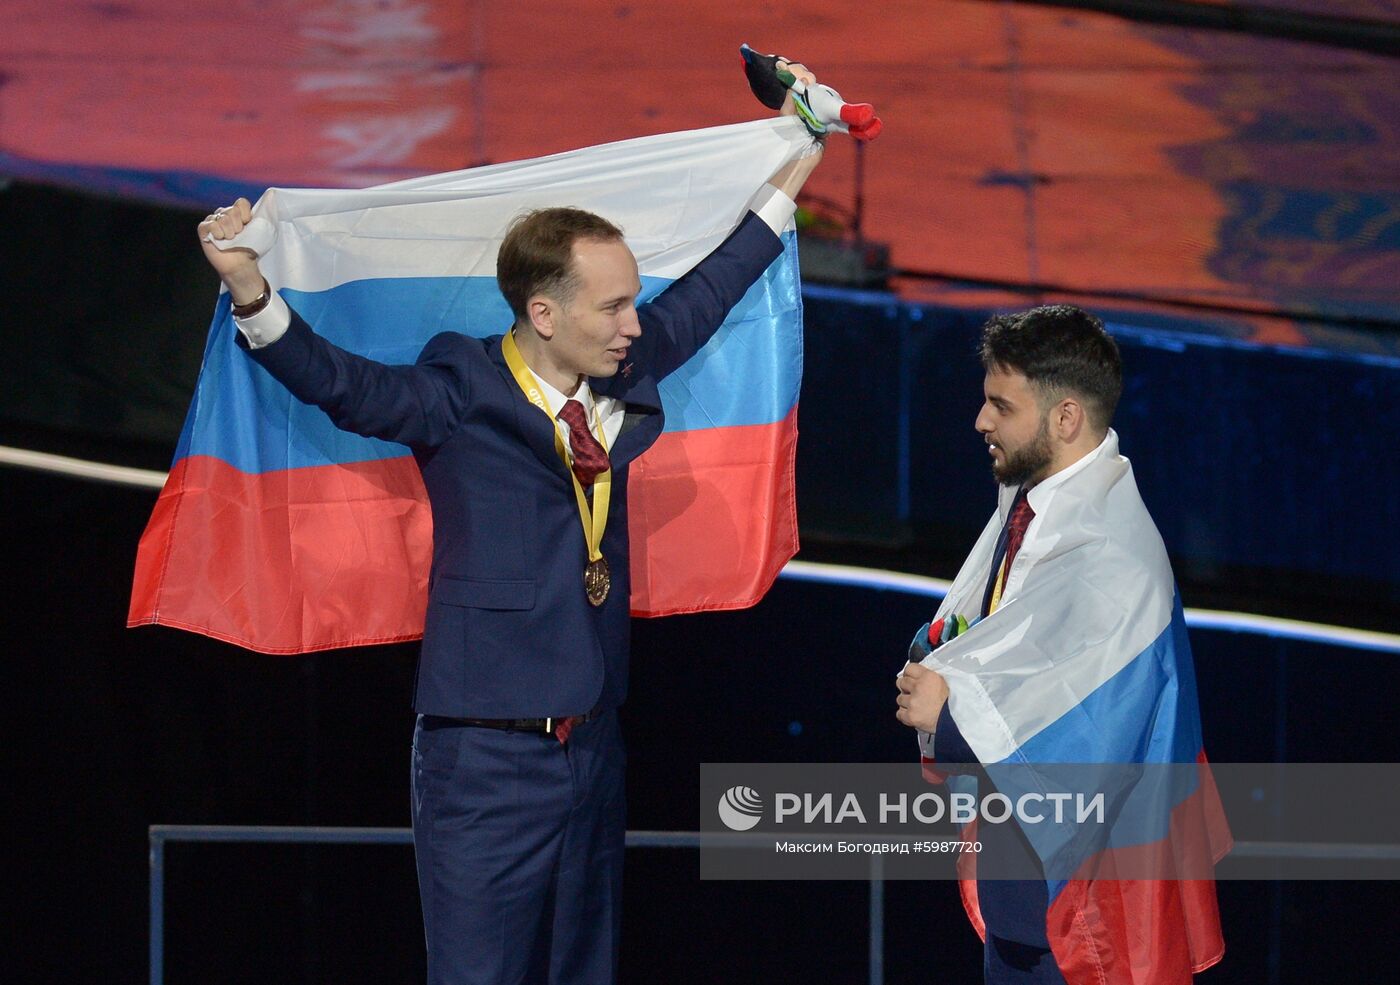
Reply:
x=1059, y=349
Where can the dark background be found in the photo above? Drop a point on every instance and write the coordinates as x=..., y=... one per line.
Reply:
x=116, y=730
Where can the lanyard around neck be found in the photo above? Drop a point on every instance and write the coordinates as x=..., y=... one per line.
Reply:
x=594, y=520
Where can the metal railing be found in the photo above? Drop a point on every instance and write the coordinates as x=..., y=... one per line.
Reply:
x=161, y=834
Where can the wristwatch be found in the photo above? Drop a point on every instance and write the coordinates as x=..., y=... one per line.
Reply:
x=254, y=306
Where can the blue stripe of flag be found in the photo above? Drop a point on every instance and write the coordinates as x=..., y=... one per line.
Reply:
x=749, y=373
x=1157, y=686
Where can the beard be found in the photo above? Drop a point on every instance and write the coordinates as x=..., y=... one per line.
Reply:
x=1028, y=461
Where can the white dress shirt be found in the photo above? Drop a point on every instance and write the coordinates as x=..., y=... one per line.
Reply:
x=609, y=410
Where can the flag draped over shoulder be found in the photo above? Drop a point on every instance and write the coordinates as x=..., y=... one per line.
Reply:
x=280, y=533
x=1087, y=662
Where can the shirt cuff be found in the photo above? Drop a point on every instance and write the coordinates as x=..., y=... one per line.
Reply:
x=774, y=208
x=268, y=325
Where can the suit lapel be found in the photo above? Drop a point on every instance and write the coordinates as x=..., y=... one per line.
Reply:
x=534, y=424
x=640, y=427
x=641, y=422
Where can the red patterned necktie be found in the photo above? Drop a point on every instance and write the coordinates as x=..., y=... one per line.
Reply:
x=1021, y=518
x=564, y=726
x=589, y=458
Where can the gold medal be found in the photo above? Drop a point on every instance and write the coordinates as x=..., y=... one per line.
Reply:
x=597, y=580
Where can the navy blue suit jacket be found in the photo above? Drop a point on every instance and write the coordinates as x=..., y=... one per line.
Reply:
x=509, y=632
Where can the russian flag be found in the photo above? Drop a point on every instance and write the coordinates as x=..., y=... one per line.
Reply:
x=282, y=534
x=1083, y=679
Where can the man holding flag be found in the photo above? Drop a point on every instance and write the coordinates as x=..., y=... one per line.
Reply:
x=523, y=441
x=1062, y=641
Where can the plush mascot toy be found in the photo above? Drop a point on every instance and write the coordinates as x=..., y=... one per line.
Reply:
x=820, y=107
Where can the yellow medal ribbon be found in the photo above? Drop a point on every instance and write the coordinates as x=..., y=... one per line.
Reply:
x=594, y=520
x=996, y=591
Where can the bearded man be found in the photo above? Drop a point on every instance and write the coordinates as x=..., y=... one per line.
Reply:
x=1062, y=641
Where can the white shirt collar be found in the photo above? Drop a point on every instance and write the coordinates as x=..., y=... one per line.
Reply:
x=1039, y=495
x=556, y=399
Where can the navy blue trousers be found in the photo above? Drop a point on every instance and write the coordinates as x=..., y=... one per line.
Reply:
x=519, y=844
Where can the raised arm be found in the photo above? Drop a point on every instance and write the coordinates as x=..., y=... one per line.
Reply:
x=419, y=405
x=790, y=178
x=687, y=314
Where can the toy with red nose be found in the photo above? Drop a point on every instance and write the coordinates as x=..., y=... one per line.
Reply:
x=820, y=107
